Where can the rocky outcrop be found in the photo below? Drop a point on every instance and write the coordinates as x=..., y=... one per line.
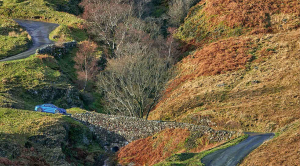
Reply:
x=63, y=96
x=42, y=149
x=61, y=144
x=57, y=50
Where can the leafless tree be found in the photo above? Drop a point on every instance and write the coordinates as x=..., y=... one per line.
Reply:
x=104, y=16
x=133, y=84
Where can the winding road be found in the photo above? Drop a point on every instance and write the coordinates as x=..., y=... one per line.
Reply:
x=39, y=32
x=231, y=156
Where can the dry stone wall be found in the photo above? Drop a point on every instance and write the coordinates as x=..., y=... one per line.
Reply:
x=57, y=50
x=120, y=130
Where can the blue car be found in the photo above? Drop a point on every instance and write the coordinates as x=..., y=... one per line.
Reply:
x=50, y=108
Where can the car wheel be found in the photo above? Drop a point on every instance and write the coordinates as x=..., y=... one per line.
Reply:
x=40, y=110
x=56, y=111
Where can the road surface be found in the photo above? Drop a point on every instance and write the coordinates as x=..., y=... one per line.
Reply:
x=39, y=32
x=233, y=155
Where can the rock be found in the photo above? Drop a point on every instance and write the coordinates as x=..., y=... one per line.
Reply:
x=67, y=97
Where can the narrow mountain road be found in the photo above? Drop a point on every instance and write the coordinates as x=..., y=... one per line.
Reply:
x=233, y=155
x=39, y=32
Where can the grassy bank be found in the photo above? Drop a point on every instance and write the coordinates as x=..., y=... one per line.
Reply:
x=13, y=38
x=56, y=138
x=34, y=80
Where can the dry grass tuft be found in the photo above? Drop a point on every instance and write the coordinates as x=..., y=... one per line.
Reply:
x=212, y=20
x=248, y=13
x=214, y=59
x=155, y=148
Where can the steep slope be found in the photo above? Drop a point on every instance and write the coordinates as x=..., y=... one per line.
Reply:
x=38, y=79
x=262, y=96
x=211, y=20
x=249, y=82
x=243, y=74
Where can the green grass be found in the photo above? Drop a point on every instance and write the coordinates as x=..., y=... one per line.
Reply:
x=54, y=11
x=13, y=38
x=45, y=10
x=68, y=33
x=17, y=125
x=198, y=30
x=194, y=159
x=76, y=110
x=35, y=73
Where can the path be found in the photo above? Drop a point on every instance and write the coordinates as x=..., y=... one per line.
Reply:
x=39, y=32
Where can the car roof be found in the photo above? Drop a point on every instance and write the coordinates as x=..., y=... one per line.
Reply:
x=49, y=105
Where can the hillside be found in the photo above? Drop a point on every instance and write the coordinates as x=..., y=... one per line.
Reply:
x=30, y=138
x=244, y=82
x=243, y=74
x=37, y=79
x=40, y=78
x=261, y=95
x=229, y=66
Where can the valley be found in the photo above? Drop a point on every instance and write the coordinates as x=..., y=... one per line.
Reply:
x=150, y=82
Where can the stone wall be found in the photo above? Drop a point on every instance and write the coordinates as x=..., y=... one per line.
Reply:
x=57, y=50
x=120, y=130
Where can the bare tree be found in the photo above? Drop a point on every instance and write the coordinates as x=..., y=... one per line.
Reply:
x=133, y=84
x=86, y=62
x=104, y=16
